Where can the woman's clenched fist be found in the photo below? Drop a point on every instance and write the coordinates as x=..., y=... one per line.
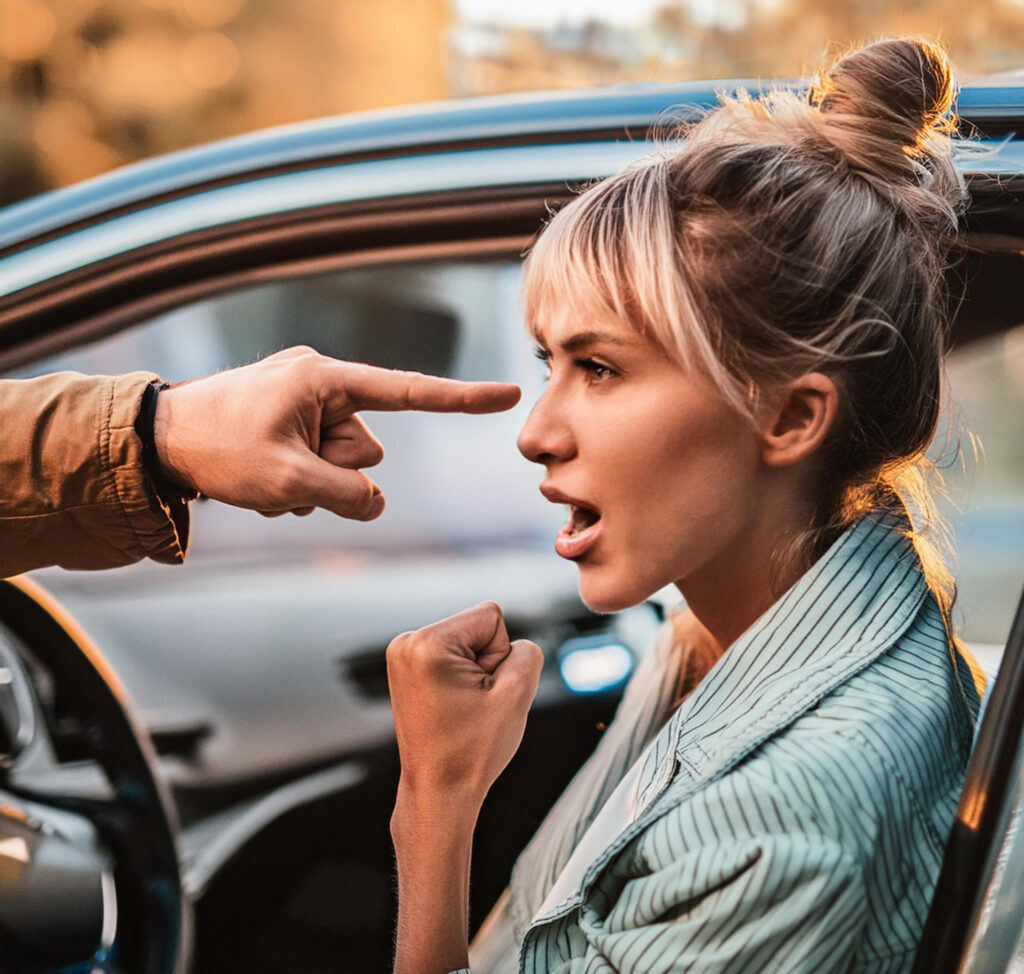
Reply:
x=460, y=691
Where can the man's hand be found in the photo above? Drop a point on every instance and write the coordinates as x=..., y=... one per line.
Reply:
x=460, y=692
x=282, y=434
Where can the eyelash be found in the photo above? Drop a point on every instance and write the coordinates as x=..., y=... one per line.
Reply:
x=597, y=371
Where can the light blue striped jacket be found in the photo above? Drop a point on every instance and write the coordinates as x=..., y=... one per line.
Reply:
x=796, y=806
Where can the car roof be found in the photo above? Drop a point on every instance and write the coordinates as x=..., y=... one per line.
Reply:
x=616, y=112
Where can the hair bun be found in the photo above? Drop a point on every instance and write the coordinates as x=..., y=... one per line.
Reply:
x=903, y=81
x=887, y=108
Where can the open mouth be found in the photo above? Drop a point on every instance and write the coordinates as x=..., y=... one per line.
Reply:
x=582, y=527
x=579, y=533
x=580, y=519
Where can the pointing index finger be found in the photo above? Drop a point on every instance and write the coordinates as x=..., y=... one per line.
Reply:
x=369, y=387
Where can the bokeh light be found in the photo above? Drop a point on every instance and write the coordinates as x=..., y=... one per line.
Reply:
x=27, y=27
x=209, y=60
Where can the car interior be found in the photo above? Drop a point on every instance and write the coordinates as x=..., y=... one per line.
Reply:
x=214, y=742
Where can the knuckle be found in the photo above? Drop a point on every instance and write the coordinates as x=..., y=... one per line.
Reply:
x=307, y=350
x=422, y=647
x=408, y=380
x=298, y=367
x=490, y=610
x=289, y=481
x=364, y=506
x=398, y=647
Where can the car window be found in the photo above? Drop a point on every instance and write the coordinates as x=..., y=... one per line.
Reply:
x=986, y=381
x=459, y=481
x=449, y=480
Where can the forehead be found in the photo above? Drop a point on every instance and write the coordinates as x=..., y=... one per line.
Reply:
x=565, y=327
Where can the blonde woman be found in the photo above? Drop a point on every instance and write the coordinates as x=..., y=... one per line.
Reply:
x=744, y=336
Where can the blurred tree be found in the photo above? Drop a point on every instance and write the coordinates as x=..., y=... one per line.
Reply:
x=91, y=84
x=706, y=39
x=88, y=85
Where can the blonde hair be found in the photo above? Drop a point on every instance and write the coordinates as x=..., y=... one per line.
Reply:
x=784, y=234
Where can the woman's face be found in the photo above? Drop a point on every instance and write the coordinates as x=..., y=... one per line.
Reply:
x=659, y=474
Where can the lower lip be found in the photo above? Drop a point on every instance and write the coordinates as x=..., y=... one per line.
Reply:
x=576, y=545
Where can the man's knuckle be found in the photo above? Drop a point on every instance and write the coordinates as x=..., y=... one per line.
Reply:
x=289, y=481
x=363, y=504
x=490, y=610
x=302, y=366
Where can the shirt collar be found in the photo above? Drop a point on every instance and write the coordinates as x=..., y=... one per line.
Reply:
x=846, y=610
x=843, y=613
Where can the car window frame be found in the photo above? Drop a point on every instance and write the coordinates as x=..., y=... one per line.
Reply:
x=967, y=880
x=99, y=299
x=102, y=297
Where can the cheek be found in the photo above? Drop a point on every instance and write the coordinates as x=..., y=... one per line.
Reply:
x=677, y=484
x=698, y=467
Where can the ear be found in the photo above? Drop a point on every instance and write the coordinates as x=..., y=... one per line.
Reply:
x=798, y=422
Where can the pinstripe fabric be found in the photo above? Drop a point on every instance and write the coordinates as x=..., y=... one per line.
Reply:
x=794, y=808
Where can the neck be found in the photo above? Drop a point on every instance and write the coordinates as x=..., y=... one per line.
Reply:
x=730, y=593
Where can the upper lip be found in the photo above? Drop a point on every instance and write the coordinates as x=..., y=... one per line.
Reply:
x=557, y=497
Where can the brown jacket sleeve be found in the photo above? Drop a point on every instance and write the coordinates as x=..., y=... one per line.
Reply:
x=73, y=489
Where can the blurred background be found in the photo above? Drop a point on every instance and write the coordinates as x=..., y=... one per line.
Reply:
x=89, y=85
x=261, y=660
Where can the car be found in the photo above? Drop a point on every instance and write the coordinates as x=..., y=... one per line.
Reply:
x=204, y=781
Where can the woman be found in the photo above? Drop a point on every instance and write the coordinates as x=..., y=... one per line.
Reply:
x=744, y=342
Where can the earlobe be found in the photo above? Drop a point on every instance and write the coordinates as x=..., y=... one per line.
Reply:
x=803, y=414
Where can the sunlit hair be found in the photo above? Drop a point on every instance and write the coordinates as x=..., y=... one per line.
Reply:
x=791, y=233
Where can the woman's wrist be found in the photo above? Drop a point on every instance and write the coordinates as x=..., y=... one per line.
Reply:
x=424, y=806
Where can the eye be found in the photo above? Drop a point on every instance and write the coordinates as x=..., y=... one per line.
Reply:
x=596, y=371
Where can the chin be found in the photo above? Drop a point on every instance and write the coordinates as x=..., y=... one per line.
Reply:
x=607, y=594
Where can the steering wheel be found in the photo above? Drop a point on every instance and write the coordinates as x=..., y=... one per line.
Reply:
x=89, y=878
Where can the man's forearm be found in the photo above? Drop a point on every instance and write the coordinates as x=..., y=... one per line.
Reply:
x=433, y=836
x=73, y=485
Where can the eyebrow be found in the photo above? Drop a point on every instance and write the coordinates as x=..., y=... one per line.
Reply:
x=583, y=339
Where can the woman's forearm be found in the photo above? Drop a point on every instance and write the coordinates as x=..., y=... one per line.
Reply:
x=460, y=691
x=433, y=836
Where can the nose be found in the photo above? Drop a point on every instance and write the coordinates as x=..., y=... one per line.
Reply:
x=547, y=435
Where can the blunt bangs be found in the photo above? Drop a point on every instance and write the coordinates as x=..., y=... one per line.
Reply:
x=613, y=251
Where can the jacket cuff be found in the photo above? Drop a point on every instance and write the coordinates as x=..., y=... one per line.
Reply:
x=159, y=525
